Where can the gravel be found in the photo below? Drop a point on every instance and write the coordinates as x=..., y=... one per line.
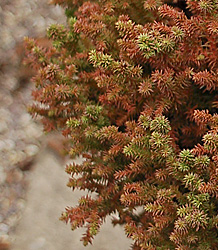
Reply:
x=20, y=136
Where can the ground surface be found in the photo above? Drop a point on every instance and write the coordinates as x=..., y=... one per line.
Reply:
x=33, y=190
x=20, y=136
x=39, y=227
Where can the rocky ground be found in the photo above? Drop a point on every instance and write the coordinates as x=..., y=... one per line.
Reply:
x=32, y=178
x=20, y=136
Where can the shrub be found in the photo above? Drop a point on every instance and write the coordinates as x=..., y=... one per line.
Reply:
x=133, y=86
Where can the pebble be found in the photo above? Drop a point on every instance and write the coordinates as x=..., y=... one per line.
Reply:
x=11, y=83
x=16, y=157
x=39, y=24
x=21, y=204
x=9, y=144
x=25, y=119
x=31, y=150
x=4, y=228
x=33, y=131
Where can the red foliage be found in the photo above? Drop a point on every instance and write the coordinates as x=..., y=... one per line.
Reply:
x=133, y=85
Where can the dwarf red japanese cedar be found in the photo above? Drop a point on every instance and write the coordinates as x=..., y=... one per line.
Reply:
x=133, y=86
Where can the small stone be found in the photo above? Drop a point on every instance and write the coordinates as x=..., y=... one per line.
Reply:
x=21, y=204
x=11, y=83
x=57, y=11
x=4, y=228
x=33, y=131
x=10, y=19
x=16, y=157
x=25, y=119
x=8, y=41
x=20, y=134
x=31, y=150
x=9, y=144
x=39, y=24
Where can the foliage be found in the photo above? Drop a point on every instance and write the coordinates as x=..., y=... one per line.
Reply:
x=133, y=86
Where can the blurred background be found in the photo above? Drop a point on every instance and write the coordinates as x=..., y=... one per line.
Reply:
x=33, y=190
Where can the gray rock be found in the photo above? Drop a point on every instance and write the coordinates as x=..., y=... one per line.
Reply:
x=31, y=150
x=4, y=228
